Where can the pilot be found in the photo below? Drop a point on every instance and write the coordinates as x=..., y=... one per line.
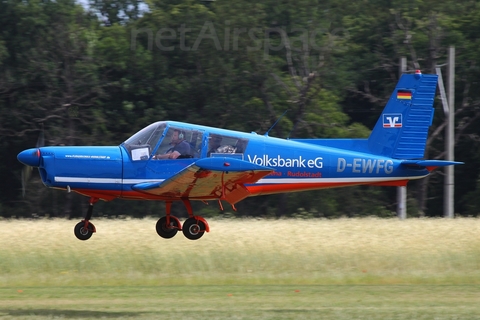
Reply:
x=180, y=147
x=215, y=142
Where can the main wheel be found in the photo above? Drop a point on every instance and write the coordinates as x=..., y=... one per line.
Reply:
x=193, y=229
x=83, y=233
x=167, y=231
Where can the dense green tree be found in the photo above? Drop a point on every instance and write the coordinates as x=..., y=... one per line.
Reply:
x=51, y=90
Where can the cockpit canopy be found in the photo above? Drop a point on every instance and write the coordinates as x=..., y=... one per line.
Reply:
x=143, y=143
x=157, y=139
x=148, y=135
x=160, y=137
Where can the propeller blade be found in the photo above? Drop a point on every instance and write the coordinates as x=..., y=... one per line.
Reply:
x=26, y=173
x=41, y=139
x=27, y=170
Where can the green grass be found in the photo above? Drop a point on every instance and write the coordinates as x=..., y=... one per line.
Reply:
x=242, y=302
x=243, y=252
x=243, y=269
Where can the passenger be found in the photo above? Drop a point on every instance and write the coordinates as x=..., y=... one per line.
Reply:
x=215, y=142
x=240, y=146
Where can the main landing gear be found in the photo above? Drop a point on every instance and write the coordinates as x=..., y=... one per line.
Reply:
x=193, y=228
x=85, y=229
x=167, y=227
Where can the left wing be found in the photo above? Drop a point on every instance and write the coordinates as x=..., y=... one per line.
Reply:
x=210, y=178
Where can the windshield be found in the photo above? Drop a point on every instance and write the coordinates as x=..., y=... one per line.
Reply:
x=148, y=136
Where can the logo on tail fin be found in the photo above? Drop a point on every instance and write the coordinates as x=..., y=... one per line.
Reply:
x=392, y=120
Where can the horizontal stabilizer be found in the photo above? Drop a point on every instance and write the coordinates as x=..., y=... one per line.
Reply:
x=430, y=163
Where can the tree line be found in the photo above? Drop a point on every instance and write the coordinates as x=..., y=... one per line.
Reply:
x=94, y=74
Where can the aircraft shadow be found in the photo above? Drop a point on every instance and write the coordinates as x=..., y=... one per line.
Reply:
x=69, y=314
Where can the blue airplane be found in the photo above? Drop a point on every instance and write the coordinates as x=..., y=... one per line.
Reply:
x=173, y=161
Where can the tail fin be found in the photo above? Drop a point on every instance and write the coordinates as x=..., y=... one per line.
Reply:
x=402, y=129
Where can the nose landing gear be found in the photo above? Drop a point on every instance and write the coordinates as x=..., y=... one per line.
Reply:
x=85, y=229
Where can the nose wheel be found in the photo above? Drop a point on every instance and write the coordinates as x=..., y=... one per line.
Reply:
x=85, y=229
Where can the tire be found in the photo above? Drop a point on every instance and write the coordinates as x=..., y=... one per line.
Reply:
x=81, y=233
x=193, y=229
x=165, y=231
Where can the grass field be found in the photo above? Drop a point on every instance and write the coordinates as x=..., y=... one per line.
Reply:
x=242, y=302
x=243, y=269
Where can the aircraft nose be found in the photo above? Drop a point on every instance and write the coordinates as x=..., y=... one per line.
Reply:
x=30, y=157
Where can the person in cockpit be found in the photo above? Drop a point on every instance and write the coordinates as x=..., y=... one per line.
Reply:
x=180, y=147
x=215, y=142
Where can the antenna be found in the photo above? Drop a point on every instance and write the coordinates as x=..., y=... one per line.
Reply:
x=266, y=133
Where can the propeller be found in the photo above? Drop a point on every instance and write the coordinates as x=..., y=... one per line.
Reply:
x=27, y=170
x=26, y=173
x=41, y=139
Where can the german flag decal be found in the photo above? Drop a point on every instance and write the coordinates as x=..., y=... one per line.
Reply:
x=404, y=94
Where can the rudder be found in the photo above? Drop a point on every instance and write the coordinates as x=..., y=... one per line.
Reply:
x=401, y=132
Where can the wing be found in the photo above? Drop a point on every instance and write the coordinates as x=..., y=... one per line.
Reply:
x=210, y=178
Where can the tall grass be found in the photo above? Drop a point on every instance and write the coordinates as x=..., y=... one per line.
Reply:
x=344, y=251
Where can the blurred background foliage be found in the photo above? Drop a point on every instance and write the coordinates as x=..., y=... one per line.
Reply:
x=95, y=73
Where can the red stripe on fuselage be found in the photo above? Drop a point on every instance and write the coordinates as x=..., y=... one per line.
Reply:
x=396, y=183
x=294, y=187
x=257, y=189
x=263, y=189
x=108, y=195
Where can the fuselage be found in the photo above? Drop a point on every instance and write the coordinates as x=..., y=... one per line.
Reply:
x=110, y=172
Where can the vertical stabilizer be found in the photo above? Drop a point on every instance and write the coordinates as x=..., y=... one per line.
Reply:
x=401, y=131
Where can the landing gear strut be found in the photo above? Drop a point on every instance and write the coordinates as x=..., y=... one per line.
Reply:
x=85, y=229
x=168, y=226
x=193, y=228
